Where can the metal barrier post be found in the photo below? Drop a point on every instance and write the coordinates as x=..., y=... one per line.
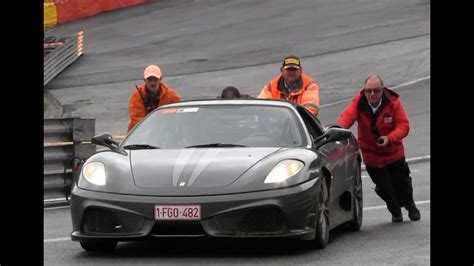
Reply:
x=66, y=142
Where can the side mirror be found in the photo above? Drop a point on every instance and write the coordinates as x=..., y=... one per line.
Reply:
x=105, y=139
x=332, y=134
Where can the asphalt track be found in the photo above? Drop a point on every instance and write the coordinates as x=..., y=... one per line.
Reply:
x=204, y=46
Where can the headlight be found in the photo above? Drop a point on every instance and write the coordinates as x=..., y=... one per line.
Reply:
x=94, y=173
x=284, y=170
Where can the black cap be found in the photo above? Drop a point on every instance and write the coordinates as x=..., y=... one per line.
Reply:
x=291, y=62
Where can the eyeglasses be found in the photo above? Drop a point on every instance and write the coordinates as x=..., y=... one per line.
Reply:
x=375, y=91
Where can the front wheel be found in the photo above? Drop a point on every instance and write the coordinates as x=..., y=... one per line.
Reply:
x=357, y=203
x=322, y=221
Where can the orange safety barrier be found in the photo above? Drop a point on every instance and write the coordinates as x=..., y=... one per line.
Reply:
x=80, y=42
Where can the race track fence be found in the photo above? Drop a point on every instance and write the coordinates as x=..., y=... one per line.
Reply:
x=67, y=143
x=62, y=57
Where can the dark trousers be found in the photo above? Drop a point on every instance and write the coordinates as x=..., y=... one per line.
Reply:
x=393, y=184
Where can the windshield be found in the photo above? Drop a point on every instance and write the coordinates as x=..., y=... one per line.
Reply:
x=219, y=126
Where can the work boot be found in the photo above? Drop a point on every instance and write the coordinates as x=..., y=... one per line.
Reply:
x=413, y=212
x=397, y=219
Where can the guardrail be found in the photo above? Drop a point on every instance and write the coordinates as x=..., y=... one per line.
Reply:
x=66, y=145
x=62, y=56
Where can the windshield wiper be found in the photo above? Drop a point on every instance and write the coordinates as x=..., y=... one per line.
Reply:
x=139, y=147
x=220, y=145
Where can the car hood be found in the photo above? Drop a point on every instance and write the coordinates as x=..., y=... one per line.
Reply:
x=194, y=167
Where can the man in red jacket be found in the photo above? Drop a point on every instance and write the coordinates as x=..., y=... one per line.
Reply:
x=382, y=124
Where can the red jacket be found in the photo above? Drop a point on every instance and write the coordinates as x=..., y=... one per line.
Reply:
x=391, y=121
x=136, y=106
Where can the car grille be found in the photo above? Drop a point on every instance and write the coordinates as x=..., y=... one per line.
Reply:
x=260, y=221
x=178, y=228
x=105, y=221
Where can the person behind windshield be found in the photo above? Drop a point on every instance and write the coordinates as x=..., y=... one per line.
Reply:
x=232, y=92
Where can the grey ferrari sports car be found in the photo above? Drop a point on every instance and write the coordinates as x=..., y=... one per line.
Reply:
x=220, y=168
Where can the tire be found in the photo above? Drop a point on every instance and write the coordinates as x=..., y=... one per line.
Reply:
x=357, y=203
x=103, y=246
x=322, y=222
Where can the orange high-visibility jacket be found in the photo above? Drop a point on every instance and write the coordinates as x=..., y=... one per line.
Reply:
x=137, y=108
x=307, y=95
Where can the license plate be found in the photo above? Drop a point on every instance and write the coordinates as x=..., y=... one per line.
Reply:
x=177, y=212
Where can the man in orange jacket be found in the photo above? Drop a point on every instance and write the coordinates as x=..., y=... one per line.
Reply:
x=149, y=95
x=293, y=85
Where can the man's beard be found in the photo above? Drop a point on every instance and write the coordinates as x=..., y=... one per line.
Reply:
x=152, y=94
